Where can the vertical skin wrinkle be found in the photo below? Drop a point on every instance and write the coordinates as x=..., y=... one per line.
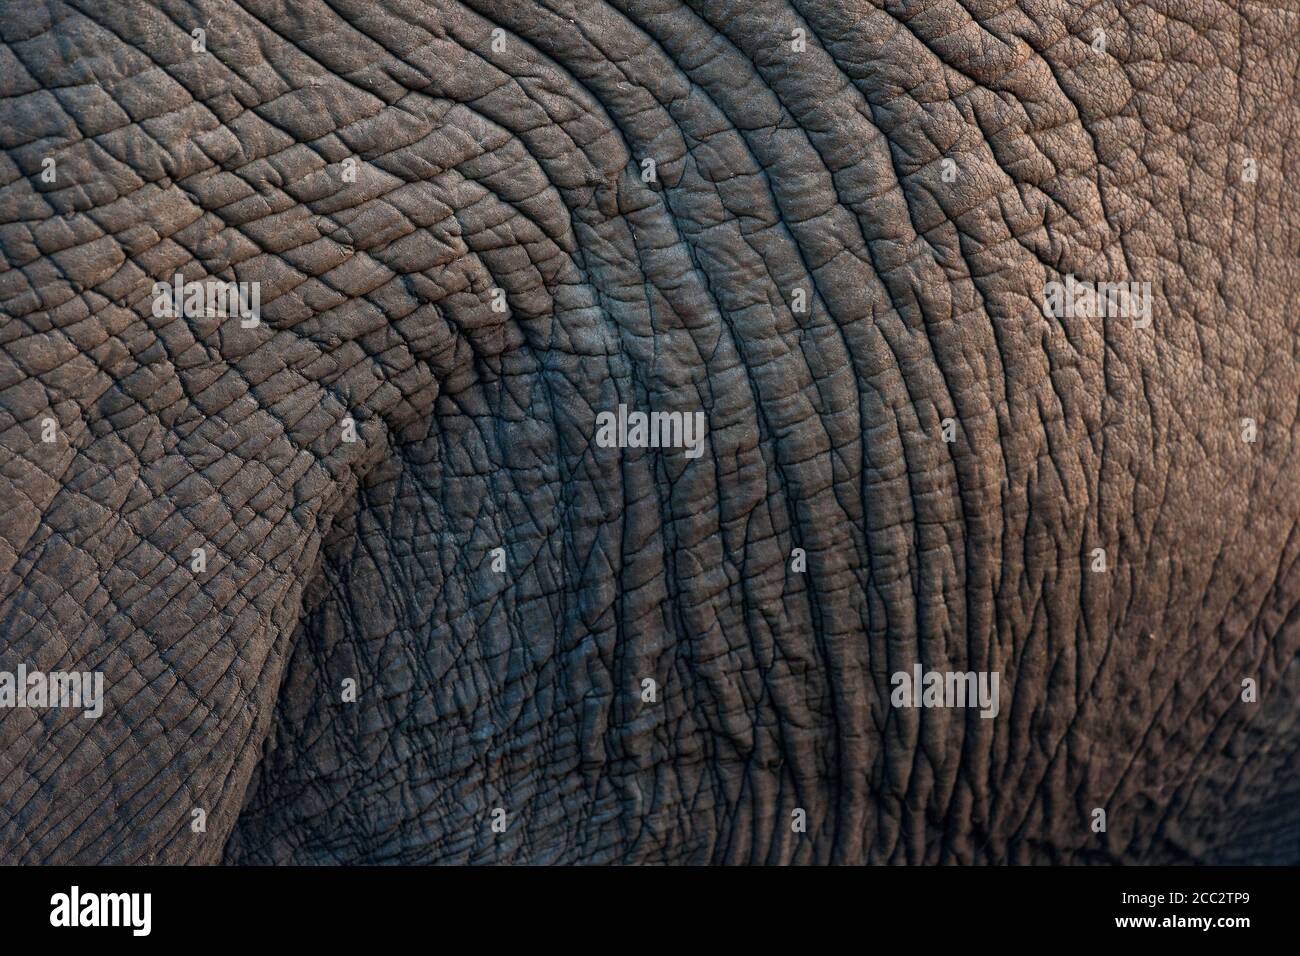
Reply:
x=518, y=166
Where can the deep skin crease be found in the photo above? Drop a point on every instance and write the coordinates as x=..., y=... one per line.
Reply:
x=501, y=146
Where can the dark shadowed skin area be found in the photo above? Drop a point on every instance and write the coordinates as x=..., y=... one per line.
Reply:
x=521, y=169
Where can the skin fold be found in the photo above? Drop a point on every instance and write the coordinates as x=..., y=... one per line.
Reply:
x=462, y=261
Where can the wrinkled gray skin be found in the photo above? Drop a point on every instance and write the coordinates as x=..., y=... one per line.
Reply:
x=777, y=170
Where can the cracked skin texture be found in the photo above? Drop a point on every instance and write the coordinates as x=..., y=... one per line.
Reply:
x=520, y=169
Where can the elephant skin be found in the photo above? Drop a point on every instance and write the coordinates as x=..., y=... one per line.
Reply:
x=438, y=621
